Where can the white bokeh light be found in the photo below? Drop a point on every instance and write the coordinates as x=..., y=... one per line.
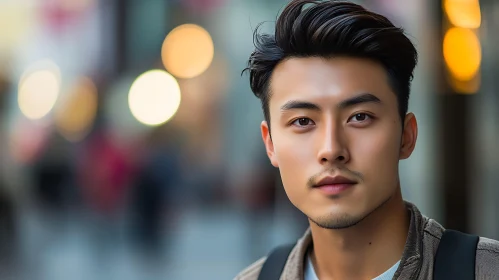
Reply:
x=154, y=97
x=39, y=90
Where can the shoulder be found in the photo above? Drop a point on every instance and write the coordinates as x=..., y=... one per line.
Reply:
x=487, y=258
x=252, y=271
x=487, y=253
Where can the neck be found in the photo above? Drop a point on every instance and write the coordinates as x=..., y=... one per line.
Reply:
x=365, y=250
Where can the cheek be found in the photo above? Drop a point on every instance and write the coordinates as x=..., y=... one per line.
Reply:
x=291, y=150
x=293, y=154
x=377, y=153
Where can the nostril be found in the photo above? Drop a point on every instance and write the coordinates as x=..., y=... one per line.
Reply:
x=341, y=158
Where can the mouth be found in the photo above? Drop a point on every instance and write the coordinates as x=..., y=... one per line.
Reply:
x=334, y=185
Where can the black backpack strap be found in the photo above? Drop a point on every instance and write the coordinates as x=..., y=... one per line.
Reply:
x=456, y=255
x=274, y=264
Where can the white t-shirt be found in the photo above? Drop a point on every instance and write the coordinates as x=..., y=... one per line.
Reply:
x=310, y=271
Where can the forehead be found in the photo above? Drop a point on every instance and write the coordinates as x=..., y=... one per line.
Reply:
x=328, y=80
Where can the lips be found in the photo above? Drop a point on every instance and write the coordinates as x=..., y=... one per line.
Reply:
x=334, y=185
x=335, y=181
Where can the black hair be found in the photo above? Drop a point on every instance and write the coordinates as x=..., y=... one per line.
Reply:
x=308, y=28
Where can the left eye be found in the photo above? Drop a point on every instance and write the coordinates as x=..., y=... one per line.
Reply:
x=360, y=117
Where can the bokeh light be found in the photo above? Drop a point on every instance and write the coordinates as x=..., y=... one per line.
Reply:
x=38, y=89
x=466, y=87
x=187, y=51
x=463, y=13
x=74, y=118
x=154, y=97
x=462, y=53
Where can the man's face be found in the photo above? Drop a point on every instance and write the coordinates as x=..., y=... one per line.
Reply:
x=335, y=119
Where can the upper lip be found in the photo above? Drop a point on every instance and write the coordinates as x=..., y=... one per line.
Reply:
x=329, y=180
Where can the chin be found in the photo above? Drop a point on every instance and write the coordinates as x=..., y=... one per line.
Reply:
x=339, y=214
x=337, y=220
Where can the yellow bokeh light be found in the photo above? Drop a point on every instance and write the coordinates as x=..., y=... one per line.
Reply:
x=38, y=91
x=154, y=97
x=466, y=87
x=463, y=13
x=76, y=116
x=187, y=51
x=462, y=53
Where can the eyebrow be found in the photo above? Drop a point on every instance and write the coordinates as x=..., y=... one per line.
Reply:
x=363, y=98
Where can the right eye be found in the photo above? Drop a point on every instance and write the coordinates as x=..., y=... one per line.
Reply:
x=302, y=122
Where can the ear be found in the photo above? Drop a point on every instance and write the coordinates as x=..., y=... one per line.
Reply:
x=409, y=136
x=269, y=145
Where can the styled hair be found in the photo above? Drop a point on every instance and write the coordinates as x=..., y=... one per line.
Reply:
x=311, y=28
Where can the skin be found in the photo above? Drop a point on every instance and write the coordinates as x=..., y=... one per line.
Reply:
x=339, y=116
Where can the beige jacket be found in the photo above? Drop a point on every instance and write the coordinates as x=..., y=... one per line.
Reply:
x=417, y=259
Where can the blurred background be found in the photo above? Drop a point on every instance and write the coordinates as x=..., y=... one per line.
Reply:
x=130, y=144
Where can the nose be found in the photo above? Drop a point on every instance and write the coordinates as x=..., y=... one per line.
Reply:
x=333, y=148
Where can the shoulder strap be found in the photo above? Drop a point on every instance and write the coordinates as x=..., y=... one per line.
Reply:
x=274, y=264
x=455, y=258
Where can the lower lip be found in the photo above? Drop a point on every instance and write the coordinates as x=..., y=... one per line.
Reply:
x=334, y=189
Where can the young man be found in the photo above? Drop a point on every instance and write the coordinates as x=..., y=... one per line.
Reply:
x=334, y=83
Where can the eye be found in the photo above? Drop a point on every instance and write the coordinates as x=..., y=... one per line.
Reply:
x=302, y=122
x=360, y=117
